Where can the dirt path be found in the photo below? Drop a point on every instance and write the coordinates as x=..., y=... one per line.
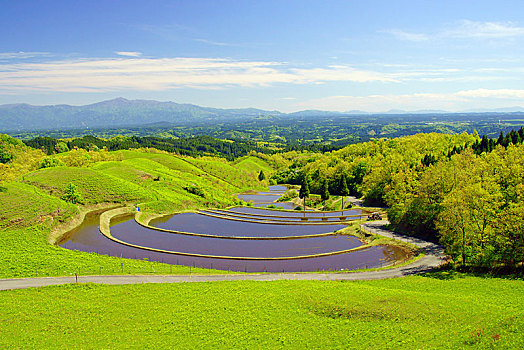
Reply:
x=434, y=257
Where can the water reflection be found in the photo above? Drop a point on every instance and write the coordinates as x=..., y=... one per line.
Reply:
x=259, y=198
x=131, y=232
x=308, y=213
x=88, y=238
x=197, y=223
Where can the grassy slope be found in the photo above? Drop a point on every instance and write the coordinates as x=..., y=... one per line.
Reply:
x=29, y=210
x=224, y=171
x=95, y=187
x=24, y=205
x=253, y=165
x=413, y=312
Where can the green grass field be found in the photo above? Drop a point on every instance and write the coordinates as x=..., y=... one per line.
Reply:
x=23, y=205
x=439, y=311
x=94, y=186
x=253, y=165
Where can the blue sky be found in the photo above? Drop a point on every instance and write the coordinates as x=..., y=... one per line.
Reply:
x=283, y=55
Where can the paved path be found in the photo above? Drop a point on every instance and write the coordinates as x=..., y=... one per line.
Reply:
x=433, y=258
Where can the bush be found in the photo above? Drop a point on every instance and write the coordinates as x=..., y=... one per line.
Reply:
x=50, y=162
x=71, y=194
x=288, y=195
x=5, y=156
x=195, y=190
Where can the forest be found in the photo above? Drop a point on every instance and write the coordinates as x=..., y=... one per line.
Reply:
x=334, y=130
x=462, y=190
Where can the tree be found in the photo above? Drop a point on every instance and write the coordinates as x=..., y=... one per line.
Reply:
x=304, y=190
x=5, y=156
x=49, y=162
x=71, y=194
x=343, y=188
x=261, y=176
x=510, y=239
x=324, y=195
x=61, y=147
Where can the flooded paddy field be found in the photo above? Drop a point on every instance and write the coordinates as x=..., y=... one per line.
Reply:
x=258, y=198
x=131, y=232
x=282, y=205
x=88, y=238
x=297, y=213
x=197, y=223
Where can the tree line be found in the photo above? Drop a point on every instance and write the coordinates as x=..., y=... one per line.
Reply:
x=192, y=146
x=465, y=191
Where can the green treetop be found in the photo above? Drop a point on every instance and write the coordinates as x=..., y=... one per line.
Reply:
x=324, y=195
x=344, y=191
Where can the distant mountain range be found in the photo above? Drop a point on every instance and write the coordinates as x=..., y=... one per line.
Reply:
x=121, y=113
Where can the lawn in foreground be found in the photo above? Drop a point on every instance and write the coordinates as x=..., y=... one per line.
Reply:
x=435, y=311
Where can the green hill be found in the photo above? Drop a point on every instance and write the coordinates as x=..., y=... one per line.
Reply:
x=253, y=165
x=31, y=204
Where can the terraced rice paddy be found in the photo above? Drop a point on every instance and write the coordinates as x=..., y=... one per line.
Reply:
x=241, y=239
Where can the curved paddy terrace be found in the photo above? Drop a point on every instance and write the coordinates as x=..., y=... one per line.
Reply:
x=274, y=215
x=226, y=215
x=308, y=213
x=197, y=223
x=282, y=205
x=240, y=239
x=133, y=233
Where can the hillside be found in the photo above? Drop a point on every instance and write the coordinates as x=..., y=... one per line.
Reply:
x=463, y=191
x=32, y=201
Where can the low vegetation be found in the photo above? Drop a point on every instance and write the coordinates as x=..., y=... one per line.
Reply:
x=439, y=310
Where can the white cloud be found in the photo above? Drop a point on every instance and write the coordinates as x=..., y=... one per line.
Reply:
x=21, y=55
x=492, y=93
x=215, y=43
x=472, y=29
x=129, y=53
x=454, y=101
x=402, y=35
x=166, y=73
x=464, y=29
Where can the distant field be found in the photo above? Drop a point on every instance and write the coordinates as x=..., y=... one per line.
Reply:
x=450, y=311
x=253, y=165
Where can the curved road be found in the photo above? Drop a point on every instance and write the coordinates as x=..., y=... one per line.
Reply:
x=433, y=257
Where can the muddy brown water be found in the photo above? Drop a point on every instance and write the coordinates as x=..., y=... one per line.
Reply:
x=88, y=238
